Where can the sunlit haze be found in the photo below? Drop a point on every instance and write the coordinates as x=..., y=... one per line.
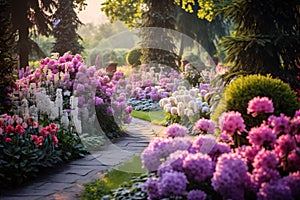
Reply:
x=92, y=13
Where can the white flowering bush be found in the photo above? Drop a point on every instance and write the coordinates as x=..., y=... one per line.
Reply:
x=186, y=106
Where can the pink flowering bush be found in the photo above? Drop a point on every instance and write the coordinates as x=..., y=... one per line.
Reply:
x=260, y=105
x=25, y=147
x=265, y=167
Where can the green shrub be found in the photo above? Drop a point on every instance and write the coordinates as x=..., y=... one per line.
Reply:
x=133, y=57
x=240, y=91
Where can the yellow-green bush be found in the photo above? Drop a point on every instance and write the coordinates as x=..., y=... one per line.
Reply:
x=238, y=93
x=133, y=57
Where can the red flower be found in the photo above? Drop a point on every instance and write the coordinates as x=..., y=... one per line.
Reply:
x=45, y=131
x=19, y=129
x=8, y=139
x=55, y=140
x=9, y=129
x=38, y=140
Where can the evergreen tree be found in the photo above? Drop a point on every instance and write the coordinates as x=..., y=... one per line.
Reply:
x=28, y=15
x=266, y=40
x=7, y=60
x=65, y=27
x=159, y=14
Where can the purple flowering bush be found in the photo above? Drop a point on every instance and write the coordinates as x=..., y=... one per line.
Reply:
x=205, y=167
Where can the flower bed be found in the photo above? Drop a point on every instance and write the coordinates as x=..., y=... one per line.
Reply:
x=266, y=166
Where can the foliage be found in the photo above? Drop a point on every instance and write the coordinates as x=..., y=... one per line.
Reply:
x=111, y=180
x=7, y=60
x=65, y=28
x=25, y=149
x=131, y=189
x=133, y=57
x=128, y=11
x=70, y=145
x=143, y=104
x=241, y=90
x=30, y=15
x=266, y=35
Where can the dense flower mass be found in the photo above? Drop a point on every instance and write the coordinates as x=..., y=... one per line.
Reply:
x=265, y=167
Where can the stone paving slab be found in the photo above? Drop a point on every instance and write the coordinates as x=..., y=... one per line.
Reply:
x=65, y=182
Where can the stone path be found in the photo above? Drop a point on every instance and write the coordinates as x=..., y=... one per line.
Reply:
x=65, y=182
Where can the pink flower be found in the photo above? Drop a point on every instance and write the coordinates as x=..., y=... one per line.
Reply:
x=35, y=125
x=8, y=139
x=279, y=124
x=205, y=125
x=261, y=136
x=231, y=122
x=265, y=159
x=260, y=104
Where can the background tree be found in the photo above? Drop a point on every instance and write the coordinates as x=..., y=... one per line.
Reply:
x=266, y=40
x=29, y=15
x=65, y=27
x=159, y=14
x=7, y=56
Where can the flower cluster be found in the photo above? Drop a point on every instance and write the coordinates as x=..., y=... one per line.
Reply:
x=204, y=126
x=188, y=103
x=176, y=130
x=260, y=105
x=13, y=128
x=267, y=167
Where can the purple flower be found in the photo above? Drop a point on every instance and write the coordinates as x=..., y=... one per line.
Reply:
x=150, y=186
x=275, y=191
x=203, y=144
x=176, y=130
x=198, y=167
x=174, y=162
x=196, y=195
x=260, y=105
x=230, y=177
x=293, y=181
x=172, y=183
x=263, y=175
x=110, y=110
x=98, y=101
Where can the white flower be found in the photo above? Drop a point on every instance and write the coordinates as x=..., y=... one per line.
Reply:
x=180, y=109
x=174, y=110
x=65, y=120
x=173, y=101
x=189, y=112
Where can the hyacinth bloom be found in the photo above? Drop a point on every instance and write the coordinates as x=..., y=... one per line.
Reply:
x=231, y=122
x=230, y=177
x=205, y=126
x=198, y=167
x=172, y=183
x=196, y=195
x=260, y=105
x=176, y=130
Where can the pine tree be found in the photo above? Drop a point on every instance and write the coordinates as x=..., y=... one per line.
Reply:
x=159, y=17
x=266, y=40
x=65, y=28
x=7, y=60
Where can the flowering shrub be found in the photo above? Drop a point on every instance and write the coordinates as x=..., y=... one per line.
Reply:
x=187, y=106
x=25, y=147
x=266, y=167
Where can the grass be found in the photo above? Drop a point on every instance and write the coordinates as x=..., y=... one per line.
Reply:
x=155, y=117
x=113, y=179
